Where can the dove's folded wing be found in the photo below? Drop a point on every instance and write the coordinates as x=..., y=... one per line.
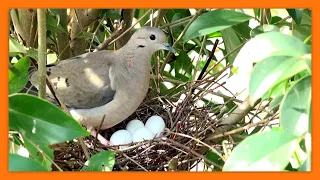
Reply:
x=82, y=81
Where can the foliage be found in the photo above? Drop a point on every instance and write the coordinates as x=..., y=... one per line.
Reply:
x=266, y=51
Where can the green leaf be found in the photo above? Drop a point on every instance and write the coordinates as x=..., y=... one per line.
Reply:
x=256, y=12
x=294, y=110
x=111, y=13
x=214, y=158
x=54, y=25
x=264, y=28
x=303, y=30
x=41, y=153
x=231, y=42
x=177, y=29
x=275, y=102
x=269, y=44
x=267, y=151
x=296, y=14
x=243, y=29
x=40, y=121
x=276, y=90
x=271, y=71
x=15, y=47
x=18, y=75
x=275, y=19
x=20, y=163
x=172, y=12
x=183, y=67
x=103, y=161
x=213, y=21
x=139, y=13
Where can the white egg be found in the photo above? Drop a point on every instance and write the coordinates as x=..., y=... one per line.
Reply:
x=156, y=125
x=142, y=134
x=121, y=137
x=134, y=125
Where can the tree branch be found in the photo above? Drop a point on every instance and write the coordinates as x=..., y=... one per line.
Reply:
x=127, y=17
x=81, y=18
x=63, y=38
x=42, y=58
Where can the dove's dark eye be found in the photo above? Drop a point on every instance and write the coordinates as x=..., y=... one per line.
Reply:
x=152, y=37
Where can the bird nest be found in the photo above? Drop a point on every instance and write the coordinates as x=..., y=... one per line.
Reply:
x=177, y=149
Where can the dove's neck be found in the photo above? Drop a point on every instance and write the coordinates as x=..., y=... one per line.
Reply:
x=131, y=70
x=135, y=60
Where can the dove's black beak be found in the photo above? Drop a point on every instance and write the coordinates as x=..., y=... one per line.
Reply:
x=168, y=47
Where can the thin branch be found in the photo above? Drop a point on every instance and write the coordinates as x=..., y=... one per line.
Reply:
x=112, y=37
x=180, y=37
x=145, y=14
x=191, y=151
x=43, y=153
x=241, y=128
x=177, y=22
x=207, y=63
x=134, y=162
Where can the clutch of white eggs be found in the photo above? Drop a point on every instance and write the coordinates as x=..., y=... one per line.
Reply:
x=136, y=131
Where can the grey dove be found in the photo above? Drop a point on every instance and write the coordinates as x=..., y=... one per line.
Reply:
x=110, y=83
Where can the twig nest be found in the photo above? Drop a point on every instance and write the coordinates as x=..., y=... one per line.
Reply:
x=156, y=125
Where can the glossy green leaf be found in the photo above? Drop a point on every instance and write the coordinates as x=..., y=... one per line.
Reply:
x=267, y=151
x=271, y=71
x=269, y=44
x=103, y=161
x=54, y=12
x=15, y=47
x=40, y=121
x=303, y=30
x=214, y=158
x=275, y=102
x=296, y=14
x=231, y=42
x=18, y=75
x=243, y=29
x=276, y=90
x=20, y=163
x=294, y=111
x=172, y=12
x=41, y=153
x=177, y=29
x=213, y=21
x=264, y=28
x=275, y=19
x=54, y=25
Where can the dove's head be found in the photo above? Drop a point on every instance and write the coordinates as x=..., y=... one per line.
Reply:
x=150, y=39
